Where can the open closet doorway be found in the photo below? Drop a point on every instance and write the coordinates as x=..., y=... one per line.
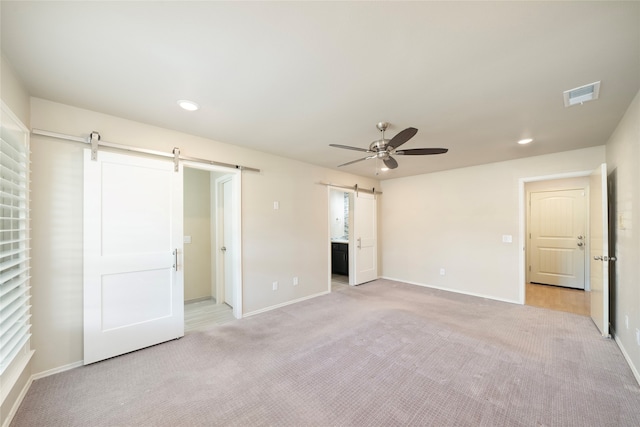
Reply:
x=211, y=248
x=557, y=244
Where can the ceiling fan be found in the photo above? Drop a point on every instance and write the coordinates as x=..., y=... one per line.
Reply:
x=384, y=148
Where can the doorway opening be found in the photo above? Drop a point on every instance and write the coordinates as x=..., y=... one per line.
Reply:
x=211, y=246
x=341, y=222
x=353, y=246
x=556, y=243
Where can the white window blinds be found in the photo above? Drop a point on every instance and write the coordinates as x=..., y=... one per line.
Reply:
x=14, y=239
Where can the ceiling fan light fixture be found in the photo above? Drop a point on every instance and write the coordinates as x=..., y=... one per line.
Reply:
x=185, y=104
x=525, y=141
x=384, y=168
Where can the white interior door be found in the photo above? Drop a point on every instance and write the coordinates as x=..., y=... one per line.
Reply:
x=557, y=238
x=363, y=241
x=227, y=234
x=599, y=242
x=133, y=278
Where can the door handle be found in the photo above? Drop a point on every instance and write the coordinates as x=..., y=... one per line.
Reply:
x=175, y=259
x=597, y=258
x=223, y=249
x=580, y=244
x=580, y=237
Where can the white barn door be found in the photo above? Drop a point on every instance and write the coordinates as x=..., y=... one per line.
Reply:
x=365, y=252
x=133, y=275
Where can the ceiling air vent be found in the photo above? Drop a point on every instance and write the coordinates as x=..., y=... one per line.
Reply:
x=581, y=94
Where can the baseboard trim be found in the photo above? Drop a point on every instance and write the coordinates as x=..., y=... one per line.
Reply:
x=284, y=304
x=16, y=405
x=626, y=357
x=27, y=386
x=57, y=370
x=424, y=285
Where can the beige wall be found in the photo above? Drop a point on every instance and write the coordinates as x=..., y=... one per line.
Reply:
x=456, y=219
x=16, y=97
x=197, y=225
x=623, y=156
x=13, y=92
x=277, y=244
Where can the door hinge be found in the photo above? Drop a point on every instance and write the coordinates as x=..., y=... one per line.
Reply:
x=529, y=268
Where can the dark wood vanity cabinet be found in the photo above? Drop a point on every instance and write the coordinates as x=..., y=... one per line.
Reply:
x=340, y=258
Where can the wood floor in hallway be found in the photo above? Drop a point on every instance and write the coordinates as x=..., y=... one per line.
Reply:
x=557, y=298
x=202, y=314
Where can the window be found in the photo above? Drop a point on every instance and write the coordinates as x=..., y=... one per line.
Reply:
x=14, y=240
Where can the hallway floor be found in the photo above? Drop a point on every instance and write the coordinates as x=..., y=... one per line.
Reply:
x=201, y=314
x=557, y=298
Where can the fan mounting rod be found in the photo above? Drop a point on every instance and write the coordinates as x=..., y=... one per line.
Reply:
x=382, y=126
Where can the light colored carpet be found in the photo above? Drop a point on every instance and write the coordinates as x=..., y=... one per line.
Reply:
x=381, y=354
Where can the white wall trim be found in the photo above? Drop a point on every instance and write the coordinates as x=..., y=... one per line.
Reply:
x=273, y=307
x=456, y=291
x=635, y=371
x=27, y=386
x=57, y=370
x=16, y=405
x=15, y=370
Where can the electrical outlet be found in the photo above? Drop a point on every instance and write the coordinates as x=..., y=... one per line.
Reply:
x=442, y=271
x=275, y=286
x=295, y=281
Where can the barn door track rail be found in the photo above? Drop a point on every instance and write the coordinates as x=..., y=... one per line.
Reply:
x=96, y=141
x=353, y=188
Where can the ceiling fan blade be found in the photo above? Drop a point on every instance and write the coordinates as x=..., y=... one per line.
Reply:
x=390, y=162
x=348, y=147
x=422, y=151
x=356, y=161
x=402, y=137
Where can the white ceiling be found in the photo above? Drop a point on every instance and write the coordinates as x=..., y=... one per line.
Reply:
x=290, y=78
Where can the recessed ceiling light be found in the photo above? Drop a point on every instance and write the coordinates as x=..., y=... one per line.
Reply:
x=525, y=141
x=188, y=105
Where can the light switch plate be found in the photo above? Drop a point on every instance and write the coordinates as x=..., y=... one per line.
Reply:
x=507, y=238
x=187, y=239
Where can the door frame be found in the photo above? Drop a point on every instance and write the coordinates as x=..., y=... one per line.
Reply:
x=522, y=226
x=235, y=175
